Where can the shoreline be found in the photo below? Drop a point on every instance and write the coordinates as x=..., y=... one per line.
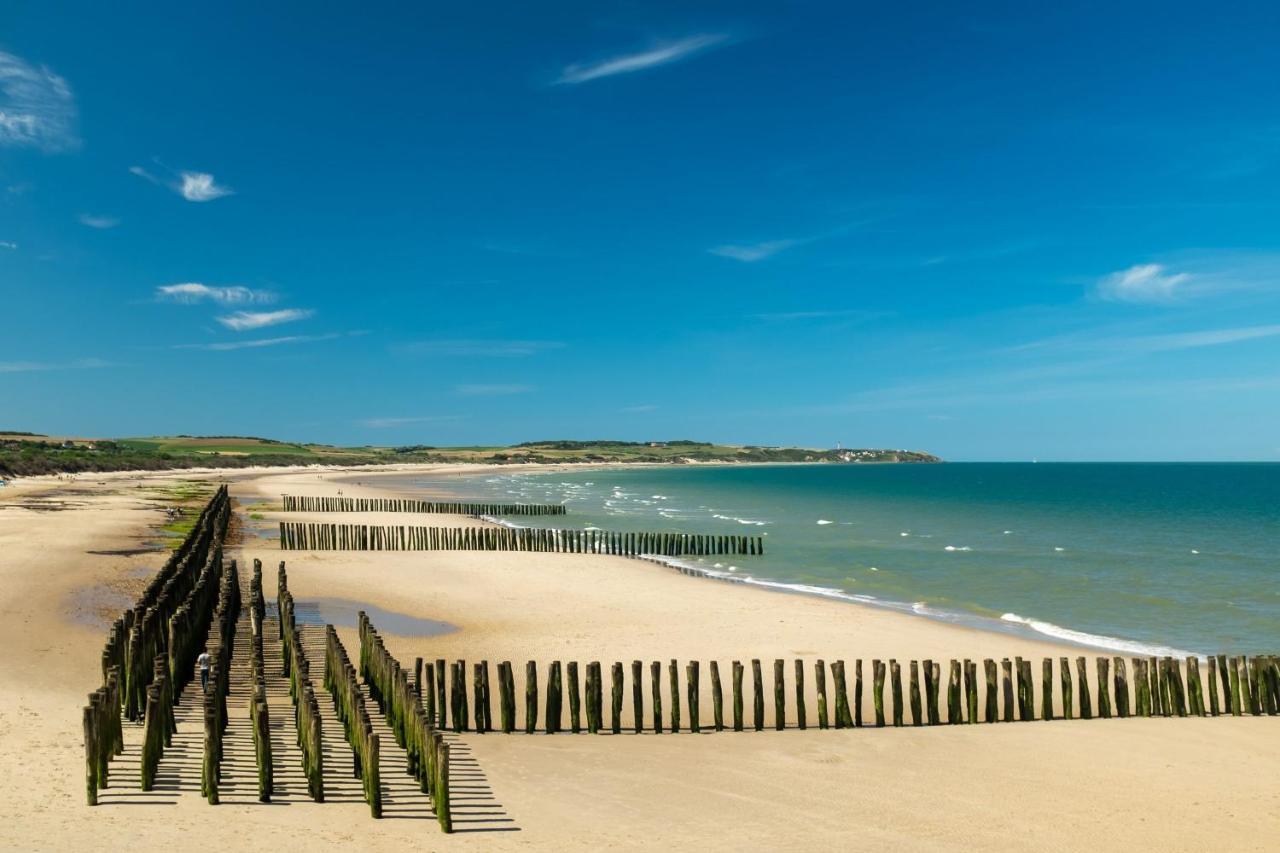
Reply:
x=1009, y=624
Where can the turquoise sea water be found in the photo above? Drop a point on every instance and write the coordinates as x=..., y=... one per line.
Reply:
x=1126, y=556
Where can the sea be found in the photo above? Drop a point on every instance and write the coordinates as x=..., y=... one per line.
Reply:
x=1139, y=558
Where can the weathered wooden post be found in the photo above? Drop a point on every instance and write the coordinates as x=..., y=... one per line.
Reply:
x=575, y=700
x=757, y=682
x=692, y=685
x=895, y=681
x=1046, y=689
x=1213, y=686
x=820, y=676
x=1006, y=683
x=616, y=686
x=1157, y=686
x=954, y=715
x=1121, y=684
x=800, y=709
x=877, y=690
x=971, y=689
x=675, y=696
x=637, y=695
x=857, y=692
x=555, y=695
x=1104, y=696
x=655, y=674
x=1082, y=676
x=1141, y=689
x=843, y=719
x=441, y=705
x=1194, y=691
x=506, y=702
x=779, y=695
x=530, y=697
x=915, y=695
x=1024, y=692
x=989, y=672
x=737, y=696
x=930, y=693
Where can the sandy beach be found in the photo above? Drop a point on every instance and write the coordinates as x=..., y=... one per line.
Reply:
x=1171, y=784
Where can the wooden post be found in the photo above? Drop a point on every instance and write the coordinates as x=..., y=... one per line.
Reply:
x=930, y=693
x=779, y=695
x=1156, y=686
x=655, y=673
x=1082, y=676
x=1006, y=681
x=1024, y=691
x=1104, y=693
x=757, y=681
x=842, y=697
x=737, y=696
x=857, y=692
x=1194, y=691
x=877, y=690
x=637, y=695
x=1141, y=689
x=555, y=694
x=530, y=697
x=916, y=713
x=1121, y=684
x=895, y=681
x=616, y=689
x=820, y=676
x=971, y=688
x=505, y=701
x=800, y=709
x=954, y=715
x=442, y=707
x=575, y=700
x=692, y=684
x=1212, y=687
x=993, y=703
x=675, y=697
x=1046, y=689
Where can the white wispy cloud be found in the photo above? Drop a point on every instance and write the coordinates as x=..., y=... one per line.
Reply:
x=387, y=423
x=821, y=314
x=224, y=346
x=492, y=390
x=193, y=186
x=200, y=186
x=494, y=348
x=244, y=320
x=191, y=292
x=37, y=108
x=27, y=366
x=664, y=53
x=752, y=252
x=101, y=222
x=1143, y=283
x=646, y=407
x=1192, y=340
x=8, y=244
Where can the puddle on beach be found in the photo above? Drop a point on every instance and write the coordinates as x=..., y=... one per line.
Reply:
x=342, y=613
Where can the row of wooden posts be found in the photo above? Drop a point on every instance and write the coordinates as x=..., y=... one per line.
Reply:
x=259, y=713
x=151, y=650
x=406, y=708
x=306, y=708
x=307, y=536
x=304, y=503
x=1250, y=685
x=348, y=702
x=215, y=694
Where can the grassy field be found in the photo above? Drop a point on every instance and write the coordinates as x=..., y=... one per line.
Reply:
x=25, y=454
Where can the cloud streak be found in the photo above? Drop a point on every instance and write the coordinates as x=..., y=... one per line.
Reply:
x=389, y=423
x=246, y=320
x=754, y=252
x=481, y=347
x=30, y=366
x=662, y=54
x=99, y=222
x=225, y=346
x=192, y=292
x=1143, y=283
x=37, y=109
x=492, y=390
x=193, y=186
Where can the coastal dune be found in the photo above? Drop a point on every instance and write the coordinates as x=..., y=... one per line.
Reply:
x=1173, y=784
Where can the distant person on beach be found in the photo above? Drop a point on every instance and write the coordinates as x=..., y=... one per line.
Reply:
x=203, y=662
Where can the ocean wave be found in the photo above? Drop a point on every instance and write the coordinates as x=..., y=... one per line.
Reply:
x=1099, y=641
x=740, y=520
x=957, y=548
x=824, y=521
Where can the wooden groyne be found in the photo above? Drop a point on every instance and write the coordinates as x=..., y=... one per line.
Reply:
x=1250, y=686
x=305, y=503
x=150, y=653
x=308, y=536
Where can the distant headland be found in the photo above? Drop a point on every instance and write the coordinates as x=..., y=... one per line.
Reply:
x=30, y=454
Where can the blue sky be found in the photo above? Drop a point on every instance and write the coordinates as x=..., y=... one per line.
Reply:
x=1006, y=233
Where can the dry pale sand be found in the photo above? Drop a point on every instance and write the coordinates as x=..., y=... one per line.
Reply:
x=1098, y=785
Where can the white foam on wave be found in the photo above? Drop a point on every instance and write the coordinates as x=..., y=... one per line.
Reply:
x=740, y=520
x=957, y=548
x=1059, y=549
x=824, y=521
x=904, y=533
x=1097, y=641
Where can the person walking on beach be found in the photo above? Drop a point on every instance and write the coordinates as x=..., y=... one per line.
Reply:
x=203, y=663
